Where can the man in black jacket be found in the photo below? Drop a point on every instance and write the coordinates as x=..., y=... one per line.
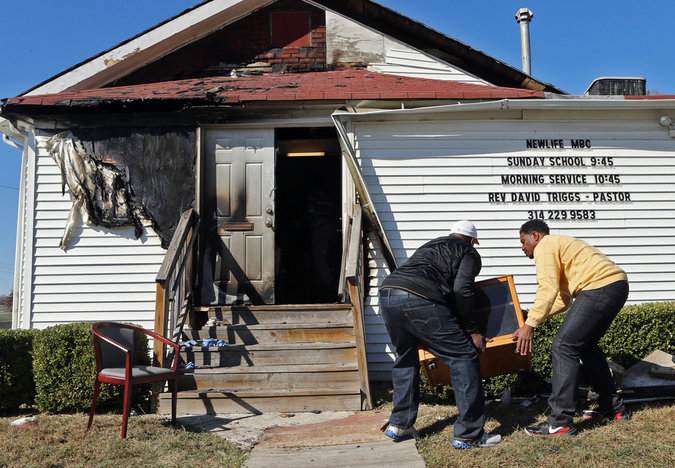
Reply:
x=430, y=300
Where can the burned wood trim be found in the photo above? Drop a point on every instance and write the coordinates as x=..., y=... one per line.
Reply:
x=160, y=324
x=174, y=282
x=103, y=107
x=373, y=222
x=171, y=257
x=342, y=282
x=355, y=274
x=362, y=358
x=354, y=249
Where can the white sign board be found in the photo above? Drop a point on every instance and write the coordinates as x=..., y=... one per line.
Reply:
x=609, y=181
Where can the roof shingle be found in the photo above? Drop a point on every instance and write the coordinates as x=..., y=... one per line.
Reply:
x=356, y=84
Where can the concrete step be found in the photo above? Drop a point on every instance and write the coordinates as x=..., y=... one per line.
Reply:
x=269, y=333
x=303, y=313
x=224, y=402
x=350, y=455
x=339, y=378
x=272, y=354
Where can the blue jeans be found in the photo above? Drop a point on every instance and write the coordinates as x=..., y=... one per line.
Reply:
x=411, y=321
x=576, y=348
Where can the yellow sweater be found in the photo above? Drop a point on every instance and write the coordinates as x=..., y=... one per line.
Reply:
x=565, y=267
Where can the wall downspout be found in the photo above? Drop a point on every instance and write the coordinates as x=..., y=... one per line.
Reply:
x=16, y=138
x=364, y=196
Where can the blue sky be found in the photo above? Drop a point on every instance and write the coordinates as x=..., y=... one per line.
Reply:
x=573, y=42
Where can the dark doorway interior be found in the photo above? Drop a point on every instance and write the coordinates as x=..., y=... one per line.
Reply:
x=308, y=216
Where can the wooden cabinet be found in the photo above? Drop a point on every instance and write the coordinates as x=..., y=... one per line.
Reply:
x=498, y=300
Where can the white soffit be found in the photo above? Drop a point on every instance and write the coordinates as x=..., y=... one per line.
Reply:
x=580, y=103
x=151, y=45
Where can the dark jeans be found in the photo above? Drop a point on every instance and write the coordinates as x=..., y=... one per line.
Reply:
x=411, y=321
x=576, y=348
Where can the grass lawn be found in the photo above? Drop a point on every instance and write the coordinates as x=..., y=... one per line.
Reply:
x=647, y=440
x=60, y=441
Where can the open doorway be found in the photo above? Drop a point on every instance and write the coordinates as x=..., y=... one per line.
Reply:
x=308, y=230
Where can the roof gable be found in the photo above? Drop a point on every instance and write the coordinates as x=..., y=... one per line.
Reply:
x=150, y=47
x=428, y=40
x=285, y=36
x=292, y=36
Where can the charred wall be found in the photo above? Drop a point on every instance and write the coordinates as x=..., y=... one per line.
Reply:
x=288, y=36
x=160, y=166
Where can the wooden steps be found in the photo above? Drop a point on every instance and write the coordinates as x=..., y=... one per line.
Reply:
x=271, y=355
x=277, y=333
x=252, y=315
x=200, y=403
x=273, y=358
x=252, y=378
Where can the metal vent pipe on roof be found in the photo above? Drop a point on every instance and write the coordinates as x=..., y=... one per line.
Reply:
x=523, y=17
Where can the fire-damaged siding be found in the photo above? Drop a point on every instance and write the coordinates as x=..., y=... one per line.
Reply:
x=349, y=43
x=107, y=274
x=424, y=175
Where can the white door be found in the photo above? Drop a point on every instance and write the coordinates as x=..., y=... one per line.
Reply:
x=239, y=177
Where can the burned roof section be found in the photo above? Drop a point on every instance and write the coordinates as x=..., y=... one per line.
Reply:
x=370, y=14
x=319, y=86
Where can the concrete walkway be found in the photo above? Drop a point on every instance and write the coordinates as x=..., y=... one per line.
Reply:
x=327, y=439
x=246, y=430
x=353, y=441
x=366, y=455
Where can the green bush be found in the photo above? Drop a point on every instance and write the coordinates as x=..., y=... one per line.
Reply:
x=638, y=330
x=635, y=332
x=494, y=386
x=16, y=369
x=65, y=368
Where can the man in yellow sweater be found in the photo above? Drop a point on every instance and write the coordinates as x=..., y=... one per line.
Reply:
x=569, y=268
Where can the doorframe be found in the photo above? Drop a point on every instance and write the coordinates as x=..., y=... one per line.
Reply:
x=347, y=184
x=199, y=138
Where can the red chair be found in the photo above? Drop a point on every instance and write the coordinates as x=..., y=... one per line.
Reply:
x=115, y=353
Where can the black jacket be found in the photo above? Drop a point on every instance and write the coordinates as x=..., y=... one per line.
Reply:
x=443, y=270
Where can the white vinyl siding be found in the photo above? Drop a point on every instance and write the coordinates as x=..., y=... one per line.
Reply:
x=349, y=43
x=424, y=175
x=399, y=59
x=106, y=274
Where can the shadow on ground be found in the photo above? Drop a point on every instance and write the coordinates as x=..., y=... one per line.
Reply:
x=209, y=423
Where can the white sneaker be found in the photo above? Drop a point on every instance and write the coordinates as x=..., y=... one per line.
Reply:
x=489, y=440
x=485, y=441
x=398, y=434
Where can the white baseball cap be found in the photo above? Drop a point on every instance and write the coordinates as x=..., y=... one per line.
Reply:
x=465, y=228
